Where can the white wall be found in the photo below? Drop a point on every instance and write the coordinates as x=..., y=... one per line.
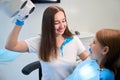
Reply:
x=82, y=15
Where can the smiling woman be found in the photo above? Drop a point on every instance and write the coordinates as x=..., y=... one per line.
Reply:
x=55, y=46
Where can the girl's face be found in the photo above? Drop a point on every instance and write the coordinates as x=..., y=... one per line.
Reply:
x=60, y=23
x=97, y=50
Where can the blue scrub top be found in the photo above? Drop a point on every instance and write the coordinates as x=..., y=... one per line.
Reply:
x=106, y=74
x=86, y=70
x=90, y=70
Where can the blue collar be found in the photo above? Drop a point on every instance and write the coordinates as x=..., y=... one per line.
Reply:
x=67, y=40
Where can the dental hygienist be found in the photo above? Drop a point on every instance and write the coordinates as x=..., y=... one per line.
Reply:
x=58, y=48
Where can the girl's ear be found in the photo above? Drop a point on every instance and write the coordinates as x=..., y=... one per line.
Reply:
x=105, y=50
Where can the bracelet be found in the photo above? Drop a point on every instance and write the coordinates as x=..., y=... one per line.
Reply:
x=19, y=23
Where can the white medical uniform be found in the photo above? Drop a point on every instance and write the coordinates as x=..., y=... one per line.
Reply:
x=62, y=67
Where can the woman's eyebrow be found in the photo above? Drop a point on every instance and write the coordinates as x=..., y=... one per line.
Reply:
x=61, y=19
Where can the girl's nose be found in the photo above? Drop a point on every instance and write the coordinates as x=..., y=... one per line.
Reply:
x=61, y=25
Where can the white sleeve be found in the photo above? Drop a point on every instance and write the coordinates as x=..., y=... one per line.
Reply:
x=33, y=44
x=80, y=46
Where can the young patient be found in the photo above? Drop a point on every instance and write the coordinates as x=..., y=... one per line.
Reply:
x=104, y=60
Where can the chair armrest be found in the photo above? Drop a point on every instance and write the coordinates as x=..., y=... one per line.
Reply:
x=31, y=67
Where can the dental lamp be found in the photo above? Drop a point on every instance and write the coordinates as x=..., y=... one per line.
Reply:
x=17, y=8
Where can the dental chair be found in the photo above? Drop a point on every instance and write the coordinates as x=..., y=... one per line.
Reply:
x=31, y=67
x=36, y=65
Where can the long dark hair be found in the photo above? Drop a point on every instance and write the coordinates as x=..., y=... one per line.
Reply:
x=110, y=38
x=48, y=48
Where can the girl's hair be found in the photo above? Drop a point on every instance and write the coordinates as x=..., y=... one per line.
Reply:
x=110, y=38
x=48, y=47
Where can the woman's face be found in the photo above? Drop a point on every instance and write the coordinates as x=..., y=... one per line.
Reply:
x=60, y=23
x=97, y=50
